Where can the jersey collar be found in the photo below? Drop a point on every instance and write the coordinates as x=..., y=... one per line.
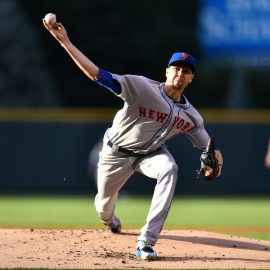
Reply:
x=183, y=103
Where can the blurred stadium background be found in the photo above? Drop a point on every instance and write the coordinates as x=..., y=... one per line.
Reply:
x=52, y=116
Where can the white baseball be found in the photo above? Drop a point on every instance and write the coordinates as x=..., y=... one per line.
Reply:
x=50, y=18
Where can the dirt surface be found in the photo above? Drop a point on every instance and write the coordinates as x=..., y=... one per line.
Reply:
x=99, y=249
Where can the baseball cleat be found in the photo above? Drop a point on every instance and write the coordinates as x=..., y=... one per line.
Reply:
x=115, y=225
x=144, y=251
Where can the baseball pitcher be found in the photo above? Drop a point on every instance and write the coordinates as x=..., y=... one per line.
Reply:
x=153, y=112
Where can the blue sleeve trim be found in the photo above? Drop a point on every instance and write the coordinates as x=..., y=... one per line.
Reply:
x=106, y=79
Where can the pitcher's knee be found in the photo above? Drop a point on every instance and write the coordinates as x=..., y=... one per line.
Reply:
x=174, y=168
x=170, y=168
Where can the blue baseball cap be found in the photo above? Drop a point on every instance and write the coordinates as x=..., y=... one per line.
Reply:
x=183, y=57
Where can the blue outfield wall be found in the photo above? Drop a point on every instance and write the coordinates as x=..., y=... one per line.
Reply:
x=52, y=157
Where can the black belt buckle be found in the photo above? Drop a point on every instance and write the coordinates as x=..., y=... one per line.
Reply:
x=116, y=148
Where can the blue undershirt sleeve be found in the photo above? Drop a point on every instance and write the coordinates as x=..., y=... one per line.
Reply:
x=106, y=79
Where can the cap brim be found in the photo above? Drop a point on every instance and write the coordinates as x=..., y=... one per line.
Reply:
x=183, y=62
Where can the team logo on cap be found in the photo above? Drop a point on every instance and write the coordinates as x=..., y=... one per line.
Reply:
x=184, y=55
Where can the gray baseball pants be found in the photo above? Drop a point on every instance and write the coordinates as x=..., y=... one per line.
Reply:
x=114, y=169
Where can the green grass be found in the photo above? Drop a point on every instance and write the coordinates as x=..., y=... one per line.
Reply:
x=238, y=216
x=223, y=211
x=47, y=211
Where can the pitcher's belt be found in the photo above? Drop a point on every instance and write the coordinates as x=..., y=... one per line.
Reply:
x=121, y=149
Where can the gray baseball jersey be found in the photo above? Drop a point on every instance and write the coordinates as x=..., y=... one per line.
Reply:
x=147, y=120
x=149, y=117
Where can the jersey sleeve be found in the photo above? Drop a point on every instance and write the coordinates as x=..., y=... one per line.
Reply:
x=128, y=87
x=107, y=80
x=198, y=137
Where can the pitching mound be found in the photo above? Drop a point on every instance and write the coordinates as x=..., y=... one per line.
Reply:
x=97, y=249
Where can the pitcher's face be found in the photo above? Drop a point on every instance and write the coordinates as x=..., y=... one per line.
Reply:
x=179, y=76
